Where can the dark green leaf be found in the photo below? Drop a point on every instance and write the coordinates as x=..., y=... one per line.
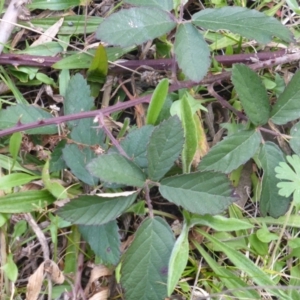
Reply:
x=164, y=147
x=78, y=156
x=192, y=52
x=201, y=193
x=163, y=4
x=56, y=162
x=10, y=116
x=85, y=134
x=232, y=152
x=295, y=140
x=76, y=159
x=78, y=97
x=104, y=241
x=247, y=22
x=22, y=202
x=270, y=201
x=94, y=210
x=157, y=101
x=135, y=26
x=135, y=145
x=145, y=264
x=287, y=107
x=252, y=94
x=115, y=168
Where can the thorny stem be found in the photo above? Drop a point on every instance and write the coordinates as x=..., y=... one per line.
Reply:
x=225, y=103
x=148, y=200
x=145, y=99
x=114, y=141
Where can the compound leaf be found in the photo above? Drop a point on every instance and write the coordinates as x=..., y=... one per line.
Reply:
x=201, y=192
x=164, y=147
x=104, y=240
x=192, y=52
x=95, y=210
x=252, y=94
x=287, y=106
x=145, y=265
x=270, y=201
x=135, y=26
x=247, y=22
x=115, y=168
x=232, y=152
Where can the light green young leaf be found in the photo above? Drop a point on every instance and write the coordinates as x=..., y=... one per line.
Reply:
x=99, y=66
x=53, y=4
x=294, y=5
x=115, y=168
x=291, y=175
x=190, y=134
x=164, y=147
x=295, y=140
x=77, y=98
x=15, y=179
x=247, y=22
x=178, y=259
x=252, y=94
x=192, y=52
x=157, y=101
x=201, y=192
x=232, y=152
x=220, y=223
x=232, y=282
x=104, y=240
x=150, y=250
x=7, y=163
x=135, y=26
x=22, y=202
x=194, y=104
x=14, y=145
x=287, y=106
x=242, y=262
x=24, y=114
x=95, y=210
x=72, y=25
x=10, y=268
x=163, y=4
x=55, y=188
x=271, y=202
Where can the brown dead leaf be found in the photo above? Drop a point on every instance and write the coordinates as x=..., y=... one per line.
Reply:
x=49, y=34
x=97, y=272
x=103, y=295
x=35, y=281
